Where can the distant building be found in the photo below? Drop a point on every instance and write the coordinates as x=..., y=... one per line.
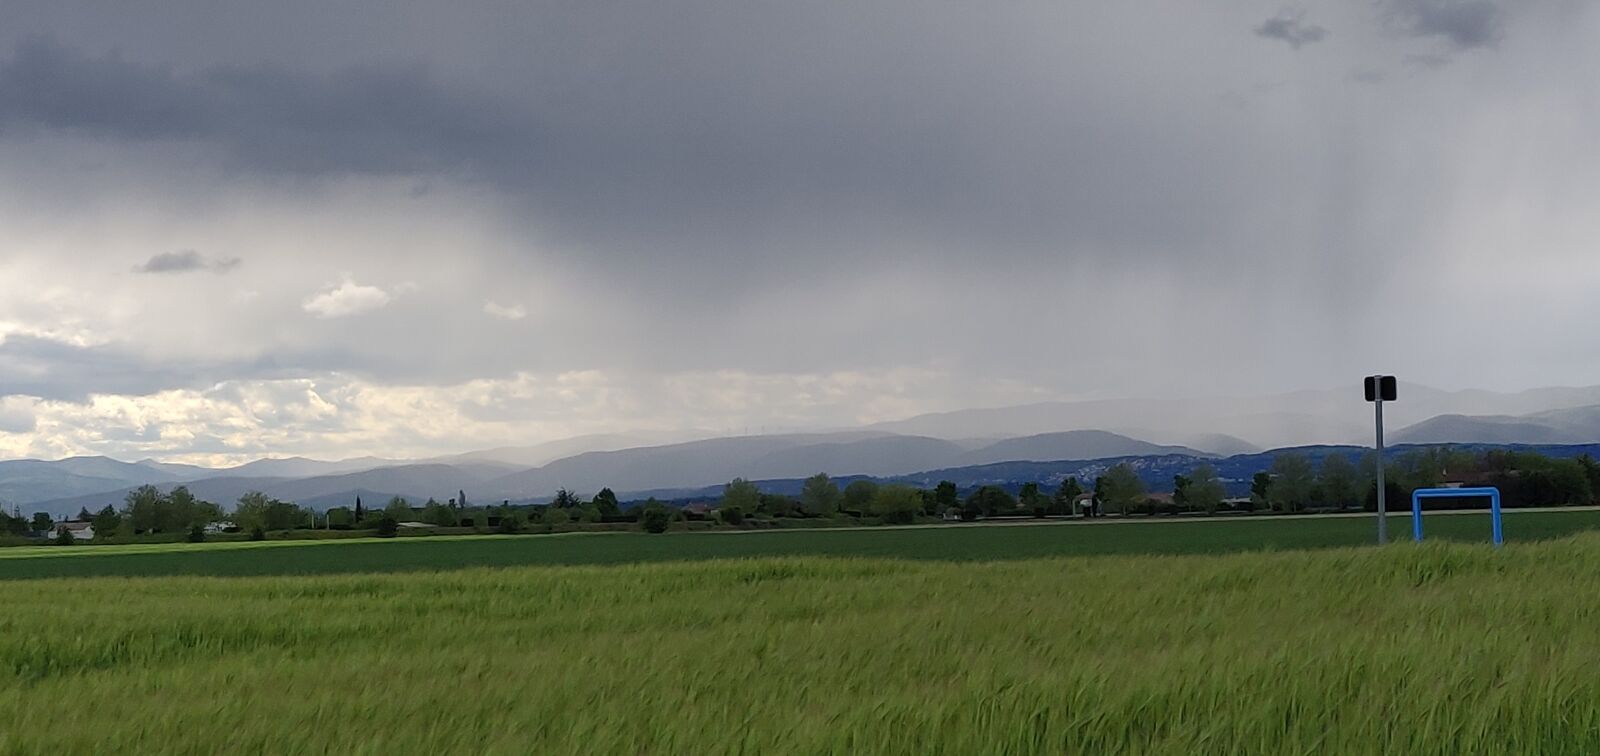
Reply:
x=81, y=531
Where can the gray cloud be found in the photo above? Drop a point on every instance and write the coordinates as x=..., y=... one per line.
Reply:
x=1291, y=27
x=185, y=261
x=1465, y=24
x=370, y=119
x=1053, y=198
x=56, y=370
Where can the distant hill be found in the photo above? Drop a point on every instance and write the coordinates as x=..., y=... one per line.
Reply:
x=25, y=481
x=1082, y=444
x=1327, y=416
x=699, y=463
x=415, y=482
x=1575, y=425
x=300, y=467
x=537, y=455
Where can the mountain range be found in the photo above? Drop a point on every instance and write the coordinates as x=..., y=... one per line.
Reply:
x=968, y=440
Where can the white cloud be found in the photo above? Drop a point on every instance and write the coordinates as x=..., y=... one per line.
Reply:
x=335, y=416
x=349, y=298
x=17, y=415
x=505, y=312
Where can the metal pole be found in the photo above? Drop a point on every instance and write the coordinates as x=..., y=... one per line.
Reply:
x=1383, y=509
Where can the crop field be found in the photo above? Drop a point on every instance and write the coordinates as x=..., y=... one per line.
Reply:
x=1443, y=648
x=960, y=543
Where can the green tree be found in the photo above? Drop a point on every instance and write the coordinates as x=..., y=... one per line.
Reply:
x=565, y=499
x=779, y=505
x=64, y=537
x=1067, y=493
x=655, y=517
x=553, y=516
x=510, y=522
x=1180, y=491
x=14, y=524
x=987, y=501
x=741, y=495
x=1341, y=487
x=606, y=503
x=1292, y=482
x=439, y=514
x=946, y=497
x=1205, y=491
x=145, y=508
x=83, y=515
x=1261, y=490
x=820, y=497
x=106, y=522
x=43, y=522
x=197, y=534
x=897, y=504
x=340, y=518
x=1591, y=471
x=387, y=527
x=1031, y=499
x=181, y=509
x=858, y=496
x=1121, y=489
x=257, y=510
x=398, y=509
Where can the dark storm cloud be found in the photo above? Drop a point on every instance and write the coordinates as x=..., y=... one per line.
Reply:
x=1465, y=24
x=50, y=369
x=721, y=144
x=264, y=118
x=186, y=261
x=1291, y=27
x=57, y=370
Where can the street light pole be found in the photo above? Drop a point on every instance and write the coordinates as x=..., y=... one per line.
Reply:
x=1380, y=388
x=1383, y=509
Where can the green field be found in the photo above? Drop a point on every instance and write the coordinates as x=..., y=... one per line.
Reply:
x=1440, y=649
x=961, y=543
x=955, y=640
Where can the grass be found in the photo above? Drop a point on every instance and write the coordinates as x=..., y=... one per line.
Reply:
x=1444, y=648
x=959, y=543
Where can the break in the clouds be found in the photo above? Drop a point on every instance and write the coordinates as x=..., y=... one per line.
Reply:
x=489, y=223
x=1291, y=26
x=186, y=261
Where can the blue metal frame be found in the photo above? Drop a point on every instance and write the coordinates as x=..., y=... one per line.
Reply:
x=1454, y=493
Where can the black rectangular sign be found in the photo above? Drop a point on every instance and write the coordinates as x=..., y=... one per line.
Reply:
x=1380, y=385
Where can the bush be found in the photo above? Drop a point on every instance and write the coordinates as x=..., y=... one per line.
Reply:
x=64, y=538
x=731, y=515
x=508, y=524
x=387, y=527
x=656, y=519
x=197, y=534
x=257, y=534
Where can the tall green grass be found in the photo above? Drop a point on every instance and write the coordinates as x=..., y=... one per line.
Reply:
x=1443, y=648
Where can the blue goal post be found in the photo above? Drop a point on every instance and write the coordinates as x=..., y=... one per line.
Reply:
x=1454, y=493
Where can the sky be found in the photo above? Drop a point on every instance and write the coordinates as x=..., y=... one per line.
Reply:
x=230, y=230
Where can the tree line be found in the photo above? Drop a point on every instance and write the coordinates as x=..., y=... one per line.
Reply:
x=1294, y=482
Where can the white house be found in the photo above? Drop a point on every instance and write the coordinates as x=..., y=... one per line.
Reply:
x=81, y=531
